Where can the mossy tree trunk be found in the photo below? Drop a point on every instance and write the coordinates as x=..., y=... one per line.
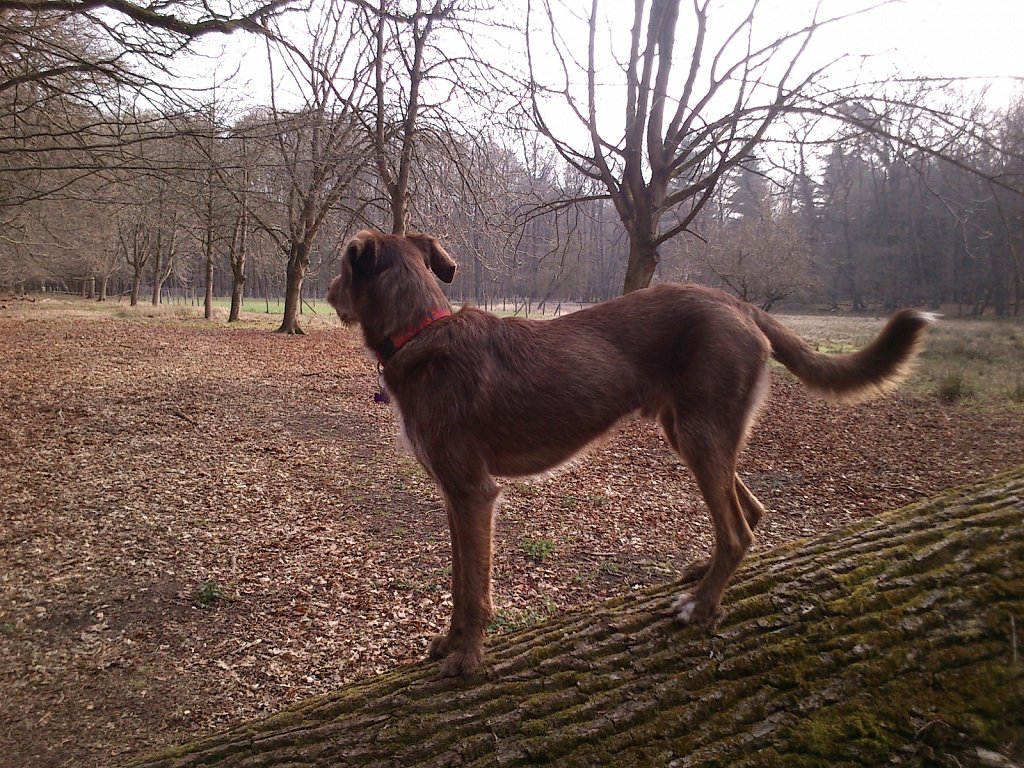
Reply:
x=893, y=642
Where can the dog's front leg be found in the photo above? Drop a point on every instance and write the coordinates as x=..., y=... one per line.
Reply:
x=442, y=645
x=471, y=522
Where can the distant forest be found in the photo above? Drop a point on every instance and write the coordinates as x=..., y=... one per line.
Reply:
x=118, y=185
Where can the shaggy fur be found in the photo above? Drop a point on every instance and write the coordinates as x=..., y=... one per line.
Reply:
x=481, y=396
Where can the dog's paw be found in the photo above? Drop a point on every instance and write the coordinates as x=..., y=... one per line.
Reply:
x=457, y=660
x=440, y=647
x=461, y=663
x=688, y=609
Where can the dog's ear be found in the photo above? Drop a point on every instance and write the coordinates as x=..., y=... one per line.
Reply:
x=438, y=260
x=362, y=253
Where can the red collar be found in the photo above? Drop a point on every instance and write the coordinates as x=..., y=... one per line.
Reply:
x=392, y=344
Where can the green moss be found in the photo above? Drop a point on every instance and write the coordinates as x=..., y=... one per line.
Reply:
x=987, y=700
x=854, y=729
x=745, y=609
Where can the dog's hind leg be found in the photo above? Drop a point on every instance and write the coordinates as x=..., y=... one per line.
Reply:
x=752, y=511
x=733, y=536
x=470, y=508
x=707, y=425
x=675, y=434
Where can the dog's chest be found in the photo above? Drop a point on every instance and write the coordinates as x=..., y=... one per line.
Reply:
x=408, y=441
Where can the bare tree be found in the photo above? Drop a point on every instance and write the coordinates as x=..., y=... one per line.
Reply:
x=134, y=246
x=319, y=144
x=238, y=247
x=205, y=171
x=68, y=68
x=400, y=45
x=680, y=132
x=70, y=71
x=116, y=40
x=764, y=262
x=164, y=242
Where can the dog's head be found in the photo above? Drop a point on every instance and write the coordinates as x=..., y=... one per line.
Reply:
x=384, y=277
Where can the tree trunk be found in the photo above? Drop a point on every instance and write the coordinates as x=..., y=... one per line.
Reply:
x=643, y=260
x=237, y=258
x=208, y=297
x=136, y=284
x=298, y=259
x=158, y=282
x=237, y=290
x=399, y=212
x=895, y=641
x=158, y=285
x=999, y=280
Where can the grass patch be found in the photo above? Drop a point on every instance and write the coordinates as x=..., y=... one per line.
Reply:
x=254, y=315
x=590, y=501
x=537, y=550
x=981, y=359
x=952, y=387
x=161, y=312
x=513, y=619
x=208, y=594
x=977, y=359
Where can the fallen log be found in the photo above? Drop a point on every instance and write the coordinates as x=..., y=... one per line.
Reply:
x=896, y=641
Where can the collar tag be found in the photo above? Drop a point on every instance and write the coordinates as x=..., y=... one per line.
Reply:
x=381, y=395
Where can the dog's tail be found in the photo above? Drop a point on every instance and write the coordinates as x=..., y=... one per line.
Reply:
x=858, y=375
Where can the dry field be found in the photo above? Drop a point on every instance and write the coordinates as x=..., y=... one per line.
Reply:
x=200, y=524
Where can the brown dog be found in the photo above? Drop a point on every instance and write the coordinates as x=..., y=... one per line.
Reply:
x=480, y=396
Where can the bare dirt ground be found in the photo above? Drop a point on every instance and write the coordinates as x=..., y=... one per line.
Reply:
x=149, y=466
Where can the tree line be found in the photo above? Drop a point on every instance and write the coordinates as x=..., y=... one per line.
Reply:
x=880, y=224
x=115, y=180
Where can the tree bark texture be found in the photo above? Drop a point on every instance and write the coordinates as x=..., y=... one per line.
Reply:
x=643, y=261
x=896, y=641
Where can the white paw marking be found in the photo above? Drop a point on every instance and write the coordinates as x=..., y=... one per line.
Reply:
x=684, y=607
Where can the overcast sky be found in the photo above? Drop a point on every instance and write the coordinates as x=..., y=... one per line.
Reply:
x=955, y=38
x=975, y=38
